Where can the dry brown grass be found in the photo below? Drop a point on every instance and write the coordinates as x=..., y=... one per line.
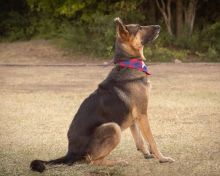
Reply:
x=38, y=103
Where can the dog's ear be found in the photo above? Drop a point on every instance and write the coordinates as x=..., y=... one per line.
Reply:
x=121, y=29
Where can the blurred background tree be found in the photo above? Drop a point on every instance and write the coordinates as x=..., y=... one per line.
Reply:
x=190, y=28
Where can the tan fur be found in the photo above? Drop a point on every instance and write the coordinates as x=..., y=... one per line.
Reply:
x=110, y=133
x=136, y=133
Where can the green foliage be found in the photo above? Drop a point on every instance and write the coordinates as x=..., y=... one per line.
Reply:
x=161, y=54
x=13, y=26
x=45, y=6
x=210, y=37
x=46, y=28
x=213, y=55
x=87, y=26
x=97, y=38
x=204, y=44
x=164, y=38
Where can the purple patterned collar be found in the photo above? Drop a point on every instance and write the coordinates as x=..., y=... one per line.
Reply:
x=134, y=63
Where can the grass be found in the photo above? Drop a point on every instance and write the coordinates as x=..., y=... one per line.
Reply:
x=38, y=103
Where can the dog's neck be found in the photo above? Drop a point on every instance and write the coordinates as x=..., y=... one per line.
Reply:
x=121, y=54
x=134, y=63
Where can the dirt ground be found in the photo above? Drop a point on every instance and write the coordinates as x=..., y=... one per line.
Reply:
x=41, y=90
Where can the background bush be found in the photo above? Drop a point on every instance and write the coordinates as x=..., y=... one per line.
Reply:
x=88, y=27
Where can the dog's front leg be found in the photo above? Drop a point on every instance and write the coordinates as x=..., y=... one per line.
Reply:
x=135, y=131
x=147, y=134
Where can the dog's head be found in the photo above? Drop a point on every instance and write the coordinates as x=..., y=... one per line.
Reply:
x=131, y=38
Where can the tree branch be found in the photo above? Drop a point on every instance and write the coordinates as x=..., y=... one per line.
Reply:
x=168, y=10
x=159, y=6
x=166, y=15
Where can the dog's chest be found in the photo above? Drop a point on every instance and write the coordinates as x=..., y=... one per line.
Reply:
x=138, y=95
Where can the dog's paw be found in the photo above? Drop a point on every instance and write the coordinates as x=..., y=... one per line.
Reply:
x=148, y=156
x=166, y=160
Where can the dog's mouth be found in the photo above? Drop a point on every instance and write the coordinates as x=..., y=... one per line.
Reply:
x=156, y=35
x=151, y=38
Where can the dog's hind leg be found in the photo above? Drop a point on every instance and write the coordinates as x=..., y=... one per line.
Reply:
x=105, y=138
x=136, y=133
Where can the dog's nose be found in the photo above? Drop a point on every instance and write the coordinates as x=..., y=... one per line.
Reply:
x=157, y=27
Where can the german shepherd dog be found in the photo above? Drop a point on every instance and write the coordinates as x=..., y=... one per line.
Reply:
x=119, y=102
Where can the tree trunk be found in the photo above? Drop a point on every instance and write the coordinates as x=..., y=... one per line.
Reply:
x=189, y=14
x=179, y=18
x=166, y=12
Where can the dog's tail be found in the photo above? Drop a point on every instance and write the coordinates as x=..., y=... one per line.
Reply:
x=39, y=165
